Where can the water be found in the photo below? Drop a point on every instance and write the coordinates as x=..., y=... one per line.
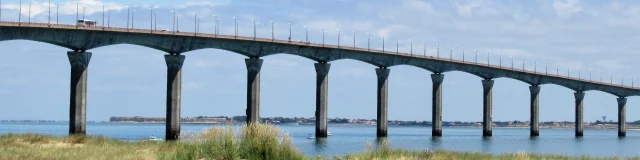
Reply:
x=352, y=139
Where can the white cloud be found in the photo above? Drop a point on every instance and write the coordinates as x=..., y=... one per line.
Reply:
x=68, y=8
x=566, y=8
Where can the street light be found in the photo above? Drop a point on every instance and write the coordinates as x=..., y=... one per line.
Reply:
x=49, y=10
x=476, y=50
x=151, y=20
x=397, y=46
x=133, y=14
x=235, y=26
x=323, y=37
x=103, y=22
x=20, y=13
x=173, y=23
x=273, y=32
x=127, y=16
x=368, y=41
x=306, y=34
x=155, y=22
x=289, y=32
x=30, y=11
x=463, y=54
x=195, y=24
x=57, y=11
x=215, y=25
x=382, y=44
x=354, y=39
x=411, y=46
x=254, y=29
x=438, y=50
x=450, y=53
x=84, y=11
x=338, y=38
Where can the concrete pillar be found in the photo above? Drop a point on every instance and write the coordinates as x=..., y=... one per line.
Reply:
x=487, y=84
x=579, y=109
x=174, y=95
x=436, y=105
x=79, y=61
x=622, y=117
x=254, y=65
x=535, y=117
x=383, y=88
x=322, y=91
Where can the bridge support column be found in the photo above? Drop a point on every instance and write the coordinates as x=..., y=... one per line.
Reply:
x=579, y=110
x=382, y=108
x=174, y=95
x=622, y=117
x=487, y=84
x=79, y=61
x=322, y=90
x=436, y=107
x=535, y=117
x=254, y=64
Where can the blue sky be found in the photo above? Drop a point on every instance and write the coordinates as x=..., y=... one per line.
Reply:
x=128, y=80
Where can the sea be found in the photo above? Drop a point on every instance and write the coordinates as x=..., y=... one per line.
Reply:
x=354, y=139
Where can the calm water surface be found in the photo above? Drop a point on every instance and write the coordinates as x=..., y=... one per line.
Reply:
x=352, y=139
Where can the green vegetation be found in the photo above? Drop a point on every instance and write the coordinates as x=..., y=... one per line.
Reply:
x=256, y=141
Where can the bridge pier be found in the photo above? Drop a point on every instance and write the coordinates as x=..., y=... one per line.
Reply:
x=622, y=116
x=174, y=95
x=535, y=117
x=436, y=107
x=487, y=117
x=382, y=108
x=79, y=61
x=322, y=91
x=254, y=64
x=579, y=110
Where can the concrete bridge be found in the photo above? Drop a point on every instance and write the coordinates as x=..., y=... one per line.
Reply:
x=81, y=39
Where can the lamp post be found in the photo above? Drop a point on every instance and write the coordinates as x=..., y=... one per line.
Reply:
x=215, y=25
x=500, y=63
x=511, y=62
x=523, y=62
x=488, y=58
x=254, y=29
x=57, y=11
x=476, y=50
x=133, y=15
x=368, y=42
x=354, y=39
x=289, y=32
x=323, y=37
x=48, y=10
x=235, y=25
x=535, y=66
x=195, y=24
x=273, y=31
x=424, y=53
x=84, y=12
x=103, y=22
x=20, y=12
x=410, y=47
x=151, y=19
x=397, y=46
x=30, y=11
x=438, y=50
x=155, y=22
x=450, y=52
x=462, y=54
x=338, y=38
x=382, y=44
x=108, y=18
x=545, y=68
x=127, y=16
x=306, y=35
x=173, y=23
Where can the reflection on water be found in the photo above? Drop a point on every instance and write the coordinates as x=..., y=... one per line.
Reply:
x=353, y=139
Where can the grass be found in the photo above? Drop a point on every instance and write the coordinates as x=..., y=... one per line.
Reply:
x=255, y=141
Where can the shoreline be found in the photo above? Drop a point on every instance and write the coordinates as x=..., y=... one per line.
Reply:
x=590, y=127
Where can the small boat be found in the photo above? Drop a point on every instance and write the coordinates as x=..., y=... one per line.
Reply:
x=153, y=138
x=328, y=133
x=310, y=136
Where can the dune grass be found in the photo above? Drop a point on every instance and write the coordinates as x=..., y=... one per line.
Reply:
x=255, y=141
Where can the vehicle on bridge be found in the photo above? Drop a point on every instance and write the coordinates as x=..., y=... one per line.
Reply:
x=86, y=23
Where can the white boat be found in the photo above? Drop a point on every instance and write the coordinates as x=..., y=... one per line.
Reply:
x=153, y=138
x=328, y=133
x=310, y=136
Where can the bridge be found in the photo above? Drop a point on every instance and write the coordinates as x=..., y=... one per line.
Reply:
x=81, y=39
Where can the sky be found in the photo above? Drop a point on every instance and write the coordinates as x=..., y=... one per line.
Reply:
x=129, y=80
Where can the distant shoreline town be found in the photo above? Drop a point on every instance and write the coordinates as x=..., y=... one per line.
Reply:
x=342, y=121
